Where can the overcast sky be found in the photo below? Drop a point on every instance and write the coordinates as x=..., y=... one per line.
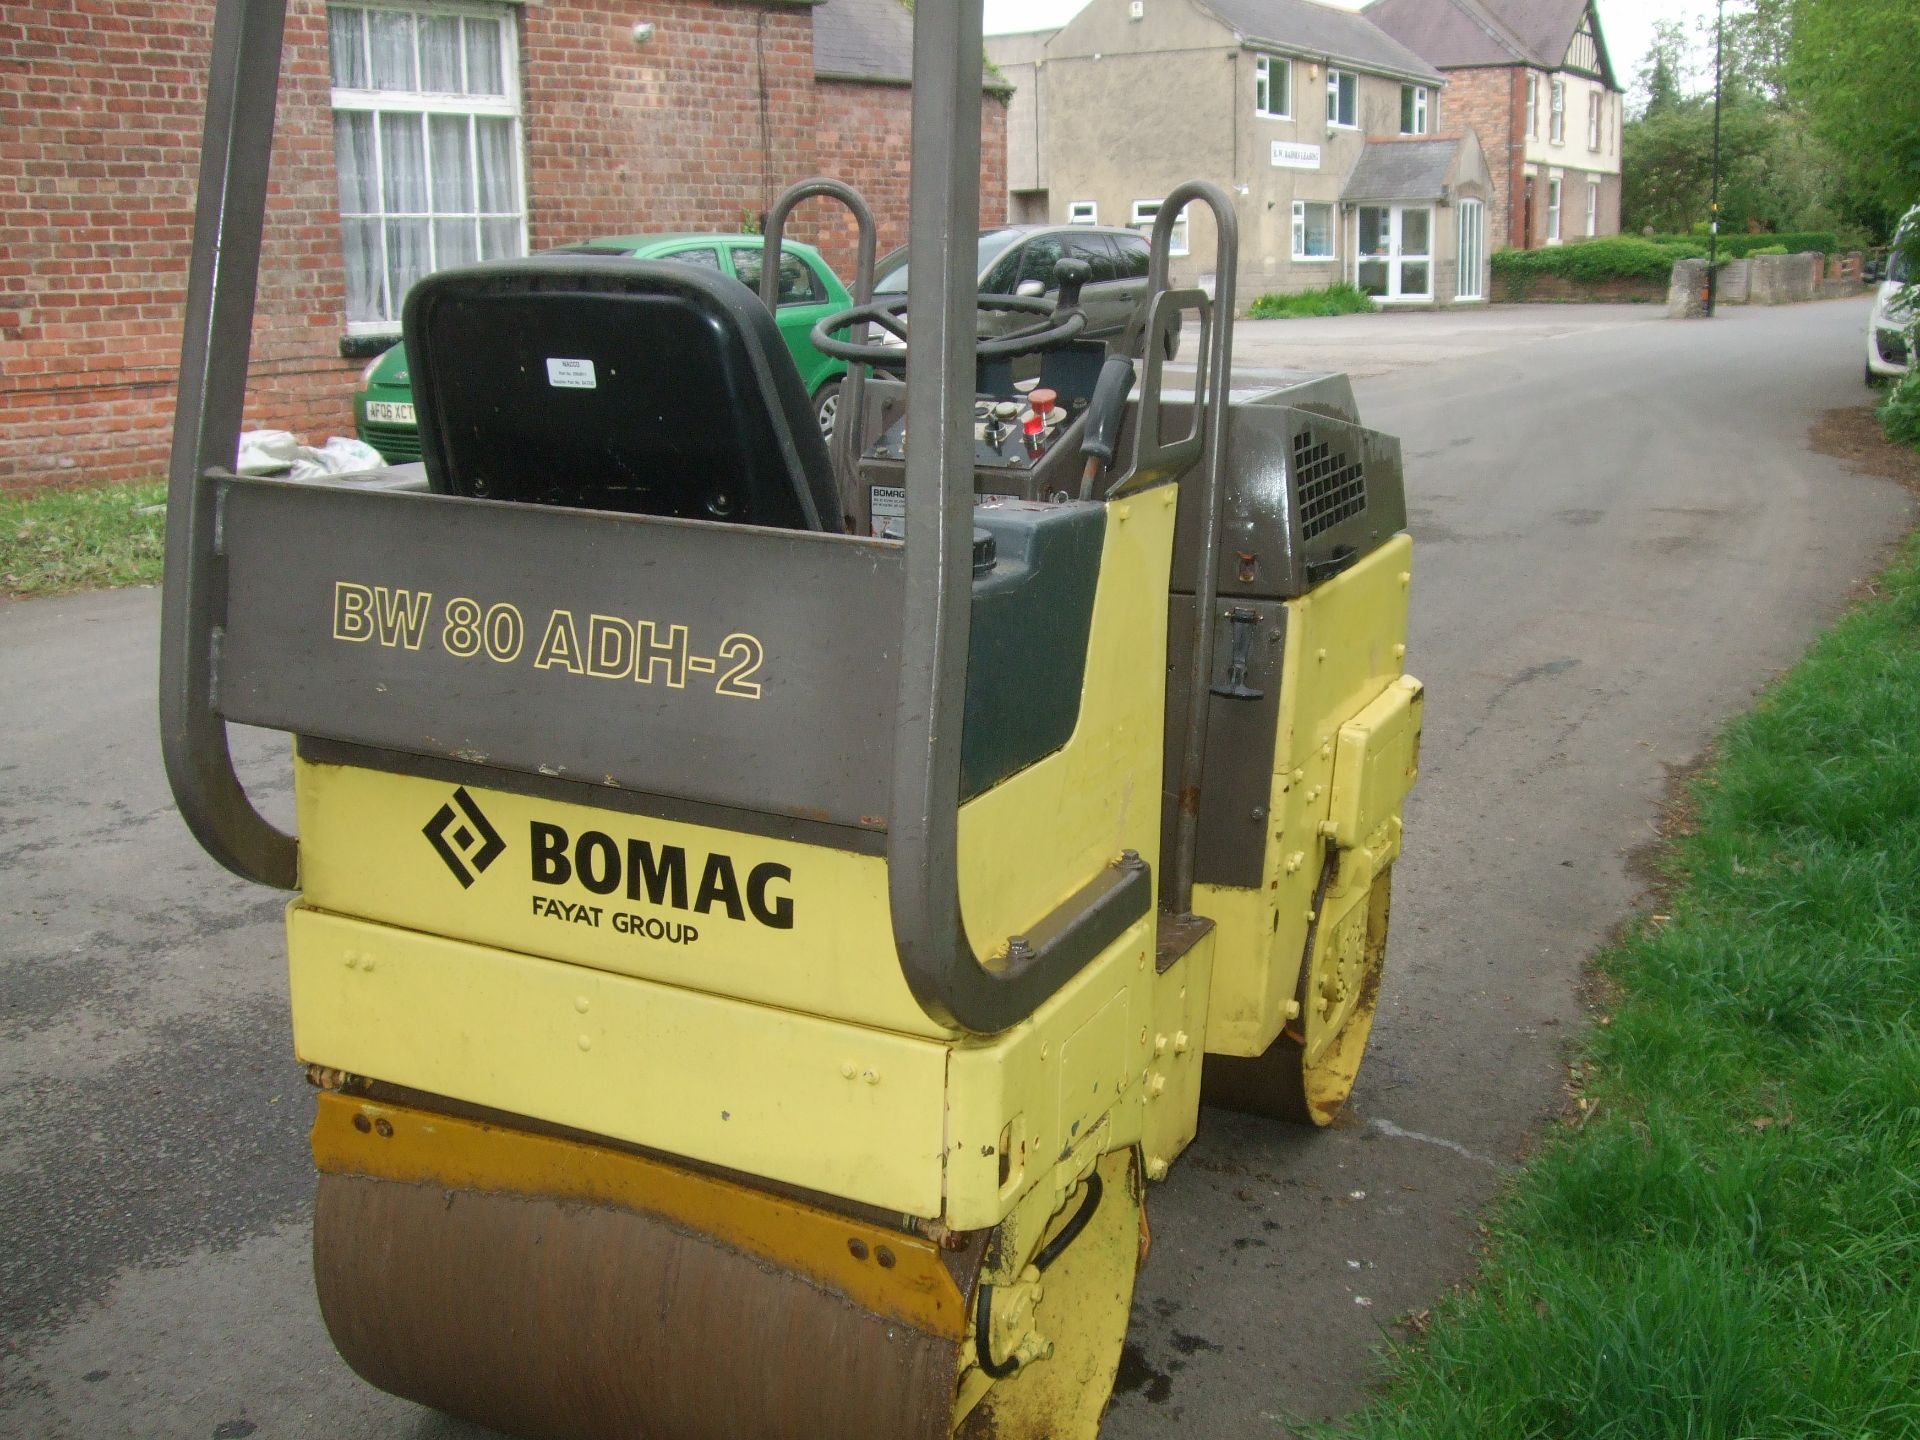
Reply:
x=1627, y=24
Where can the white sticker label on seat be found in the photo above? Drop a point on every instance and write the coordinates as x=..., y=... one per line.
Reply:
x=572, y=374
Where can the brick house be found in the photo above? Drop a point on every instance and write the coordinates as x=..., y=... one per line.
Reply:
x=410, y=134
x=1339, y=147
x=1533, y=77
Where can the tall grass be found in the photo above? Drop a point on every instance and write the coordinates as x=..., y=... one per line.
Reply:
x=81, y=539
x=1729, y=1246
x=1337, y=299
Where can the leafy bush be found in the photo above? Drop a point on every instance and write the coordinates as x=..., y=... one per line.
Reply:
x=1767, y=250
x=1901, y=414
x=1613, y=257
x=1340, y=299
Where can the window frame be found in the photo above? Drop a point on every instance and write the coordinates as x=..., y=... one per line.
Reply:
x=508, y=105
x=1263, y=67
x=1593, y=208
x=1075, y=215
x=1533, y=106
x=1334, y=77
x=1415, y=103
x=1145, y=212
x=1593, y=121
x=1470, y=219
x=1554, y=195
x=1299, y=231
x=1556, y=112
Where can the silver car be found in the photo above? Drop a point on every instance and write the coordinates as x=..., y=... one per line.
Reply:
x=1020, y=260
x=1890, y=334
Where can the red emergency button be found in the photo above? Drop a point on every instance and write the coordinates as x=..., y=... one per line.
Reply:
x=1042, y=402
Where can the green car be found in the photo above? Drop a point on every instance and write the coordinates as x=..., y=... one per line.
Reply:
x=383, y=408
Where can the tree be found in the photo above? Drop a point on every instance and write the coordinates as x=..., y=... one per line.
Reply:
x=1854, y=67
x=1661, y=82
x=1755, y=46
x=1666, y=164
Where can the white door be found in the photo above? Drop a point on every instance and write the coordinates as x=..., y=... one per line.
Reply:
x=1473, y=251
x=1394, y=252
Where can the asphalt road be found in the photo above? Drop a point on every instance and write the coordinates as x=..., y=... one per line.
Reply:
x=1621, y=535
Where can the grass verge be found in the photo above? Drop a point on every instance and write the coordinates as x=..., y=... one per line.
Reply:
x=81, y=539
x=1341, y=299
x=1724, y=1241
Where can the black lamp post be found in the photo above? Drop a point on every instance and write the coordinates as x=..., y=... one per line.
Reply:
x=1713, y=207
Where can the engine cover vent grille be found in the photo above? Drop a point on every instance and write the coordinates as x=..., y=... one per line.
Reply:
x=1330, y=487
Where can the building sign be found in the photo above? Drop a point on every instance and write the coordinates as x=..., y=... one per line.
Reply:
x=1289, y=156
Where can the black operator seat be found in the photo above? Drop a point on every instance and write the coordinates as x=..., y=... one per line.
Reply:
x=643, y=386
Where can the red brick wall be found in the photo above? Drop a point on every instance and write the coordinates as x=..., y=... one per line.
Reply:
x=864, y=140
x=1492, y=102
x=101, y=105
x=100, y=113
x=1559, y=289
x=699, y=129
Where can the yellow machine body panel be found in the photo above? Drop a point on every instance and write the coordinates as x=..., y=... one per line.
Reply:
x=555, y=983
x=363, y=854
x=1343, y=669
x=842, y=1109
x=894, y=1121
x=1031, y=841
x=755, y=917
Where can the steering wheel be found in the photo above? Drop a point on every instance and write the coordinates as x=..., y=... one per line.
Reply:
x=1061, y=325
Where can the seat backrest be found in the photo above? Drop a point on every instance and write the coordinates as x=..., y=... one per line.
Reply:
x=642, y=386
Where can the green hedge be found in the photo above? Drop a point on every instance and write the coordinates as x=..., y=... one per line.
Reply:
x=1613, y=257
x=1634, y=257
x=1794, y=242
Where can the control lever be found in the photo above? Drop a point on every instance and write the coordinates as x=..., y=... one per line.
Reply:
x=1069, y=276
x=1235, y=686
x=1104, y=414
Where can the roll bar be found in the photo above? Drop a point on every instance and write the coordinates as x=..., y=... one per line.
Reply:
x=1219, y=380
x=225, y=268
x=946, y=972
x=846, y=451
x=942, y=966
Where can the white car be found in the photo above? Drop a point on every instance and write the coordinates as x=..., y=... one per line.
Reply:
x=1890, y=335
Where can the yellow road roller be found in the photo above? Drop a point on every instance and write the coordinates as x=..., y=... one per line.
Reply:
x=763, y=913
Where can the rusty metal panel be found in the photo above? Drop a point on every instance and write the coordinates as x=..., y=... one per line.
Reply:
x=1237, y=781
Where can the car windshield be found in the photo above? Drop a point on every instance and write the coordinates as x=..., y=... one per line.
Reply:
x=890, y=275
x=1897, y=271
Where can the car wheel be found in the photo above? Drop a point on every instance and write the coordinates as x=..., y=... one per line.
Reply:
x=826, y=406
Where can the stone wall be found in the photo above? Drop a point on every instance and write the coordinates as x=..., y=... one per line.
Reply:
x=1783, y=279
x=1790, y=279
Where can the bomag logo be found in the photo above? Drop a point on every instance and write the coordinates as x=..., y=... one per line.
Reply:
x=666, y=878
x=464, y=838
